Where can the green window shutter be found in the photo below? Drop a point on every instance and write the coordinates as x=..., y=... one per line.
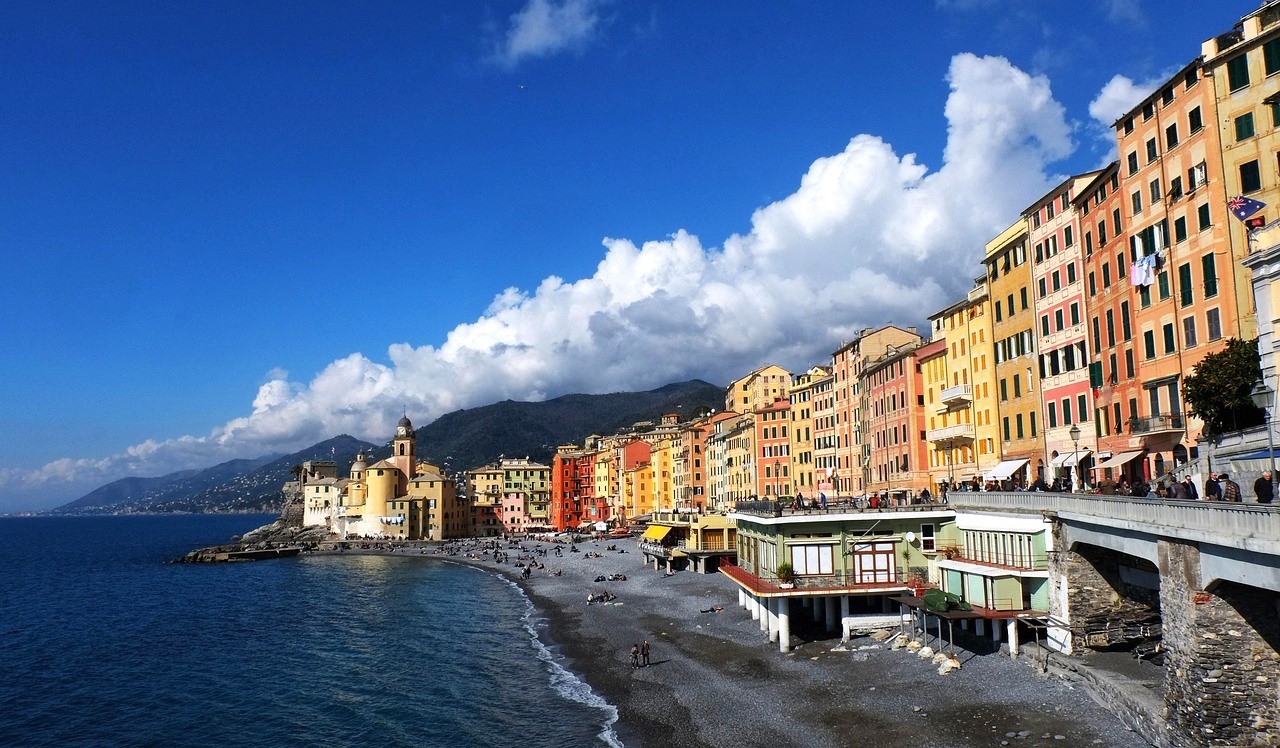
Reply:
x=1238, y=72
x=1271, y=56
x=1095, y=375
x=1184, y=284
x=1210, y=277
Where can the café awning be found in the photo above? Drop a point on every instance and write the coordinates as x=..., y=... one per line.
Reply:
x=1117, y=460
x=1005, y=469
x=1069, y=459
x=656, y=533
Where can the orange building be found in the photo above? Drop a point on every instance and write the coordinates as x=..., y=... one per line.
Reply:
x=1176, y=231
x=773, y=449
x=896, y=448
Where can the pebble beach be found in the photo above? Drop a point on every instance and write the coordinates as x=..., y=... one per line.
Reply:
x=716, y=680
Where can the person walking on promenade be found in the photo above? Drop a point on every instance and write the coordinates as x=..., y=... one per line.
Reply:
x=1192, y=493
x=644, y=652
x=1212, y=489
x=1230, y=489
x=1263, y=489
x=635, y=655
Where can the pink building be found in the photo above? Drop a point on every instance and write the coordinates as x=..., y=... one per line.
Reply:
x=773, y=449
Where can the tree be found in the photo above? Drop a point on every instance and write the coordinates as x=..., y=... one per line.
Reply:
x=1217, y=390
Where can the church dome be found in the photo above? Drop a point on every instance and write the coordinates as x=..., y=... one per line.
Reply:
x=405, y=422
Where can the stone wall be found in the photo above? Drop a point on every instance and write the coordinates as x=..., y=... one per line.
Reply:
x=1222, y=667
x=1103, y=610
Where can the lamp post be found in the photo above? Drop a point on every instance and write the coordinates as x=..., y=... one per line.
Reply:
x=1074, y=433
x=1264, y=397
x=777, y=481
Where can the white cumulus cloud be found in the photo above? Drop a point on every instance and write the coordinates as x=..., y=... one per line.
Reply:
x=869, y=237
x=545, y=27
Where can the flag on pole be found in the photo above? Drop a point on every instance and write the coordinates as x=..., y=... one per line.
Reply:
x=1242, y=207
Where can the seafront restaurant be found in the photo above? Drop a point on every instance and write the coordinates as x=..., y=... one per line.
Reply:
x=829, y=563
x=688, y=540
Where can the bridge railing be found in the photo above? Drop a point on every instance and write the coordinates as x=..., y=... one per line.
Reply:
x=1223, y=520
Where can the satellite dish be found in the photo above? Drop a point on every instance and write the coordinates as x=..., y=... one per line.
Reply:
x=910, y=536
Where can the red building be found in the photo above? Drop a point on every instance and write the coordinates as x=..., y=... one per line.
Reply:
x=573, y=499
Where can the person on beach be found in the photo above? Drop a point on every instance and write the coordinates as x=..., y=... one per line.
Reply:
x=635, y=656
x=644, y=652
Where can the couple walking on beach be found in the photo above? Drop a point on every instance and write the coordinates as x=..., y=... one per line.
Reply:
x=640, y=654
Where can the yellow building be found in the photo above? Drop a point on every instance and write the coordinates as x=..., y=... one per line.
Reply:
x=662, y=459
x=962, y=432
x=803, y=403
x=757, y=389
x=1013, y=321
x=1242, y=67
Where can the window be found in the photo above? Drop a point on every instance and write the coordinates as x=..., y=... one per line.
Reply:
x=1213, y=323
x=1144, y=296
x=1166, y=96
x=1097, y=335
x=1023, y=293
x=926, y=537
x=1071, y=272
x=1053, y=415
x=1149, y=343
x=1049, y=210
x=1004, y=389
x=1238, y=72
x=1043, y=288
x=1192, y=77
x=1250, y=178
x=1006, y=427
x=1210, y=276
x=1148, y=110
x=1244, y=126
x=1106, y=275
x=1075, y=314
x=1133, y=162
x=1180, y=229
x=1018, y=423
x=1155, y=191
x=1152, y=150
x=1162, y=280
x=1044, y=325
x=1068, y=237
x=1137, y=202
x=1082, y=412
x=1066, y=411
x=1111, y=329
x=1175, y=188
x=1271, y=56
x=1088, y=243
x=1171, y=136
x=1057, y=319
x=1168, y=337
x=998, y=317
x=1189, y=332
x=1128, y=126
x=1125, y=328
x=1184, y=284
x=1203, y=215
x=1128, y=363
x=1194, y=120
x=1093, y=284
x=1017, y=385
x=1115, y=221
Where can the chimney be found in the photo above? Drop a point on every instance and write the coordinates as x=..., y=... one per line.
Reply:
x=912, y=330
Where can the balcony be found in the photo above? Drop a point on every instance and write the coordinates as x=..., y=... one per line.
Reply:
x=1156, y=425
x=1006, y=559
x=959, y=394
x=958, y=432
x=768, y=584
x=843, y=506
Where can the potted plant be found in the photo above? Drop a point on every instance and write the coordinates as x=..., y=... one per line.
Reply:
x=786, y=576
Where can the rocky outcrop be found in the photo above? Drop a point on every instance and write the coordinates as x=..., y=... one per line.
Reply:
x=278, y=535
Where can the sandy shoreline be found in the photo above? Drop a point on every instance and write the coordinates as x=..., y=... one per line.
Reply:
x=716, y=681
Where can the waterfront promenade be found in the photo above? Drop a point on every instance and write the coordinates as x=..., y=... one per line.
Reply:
x=716, y=681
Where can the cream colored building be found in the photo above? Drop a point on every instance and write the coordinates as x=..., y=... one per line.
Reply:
x=757, y=389
x=806, y=392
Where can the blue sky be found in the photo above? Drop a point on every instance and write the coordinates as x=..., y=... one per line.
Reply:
x=237, y=228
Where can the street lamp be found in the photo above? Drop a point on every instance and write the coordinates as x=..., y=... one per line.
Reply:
x=1264, y=397
x=777, y=481
x=1074, y=433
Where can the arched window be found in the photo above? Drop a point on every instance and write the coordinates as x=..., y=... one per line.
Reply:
x=401, y=449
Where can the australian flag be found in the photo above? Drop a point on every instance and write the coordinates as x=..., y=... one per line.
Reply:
x=1242, y=207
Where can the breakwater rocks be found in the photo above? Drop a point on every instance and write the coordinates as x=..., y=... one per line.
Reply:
x=276, y=540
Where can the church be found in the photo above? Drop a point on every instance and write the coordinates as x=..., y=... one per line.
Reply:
x=397, y=498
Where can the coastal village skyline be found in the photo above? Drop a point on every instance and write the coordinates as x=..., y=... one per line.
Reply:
x=807, y=272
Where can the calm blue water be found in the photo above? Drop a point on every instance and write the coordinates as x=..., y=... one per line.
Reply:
x=106, y=644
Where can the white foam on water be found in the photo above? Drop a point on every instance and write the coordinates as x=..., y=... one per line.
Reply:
x=564, y=682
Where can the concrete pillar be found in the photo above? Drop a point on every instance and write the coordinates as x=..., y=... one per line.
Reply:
x=742, y=598
x=831, y=614
x=668, y=566
x=753, y=605
x=844, y=606
x=995, y=632
x=886, y=605
x=771, y=608
x=1013, y=638
x=806, y=602
x=979, y=626
x=815, y=606
x=964, y=624
x=784, y=625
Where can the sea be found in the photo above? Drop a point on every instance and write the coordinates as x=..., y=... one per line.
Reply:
x=108, y=643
